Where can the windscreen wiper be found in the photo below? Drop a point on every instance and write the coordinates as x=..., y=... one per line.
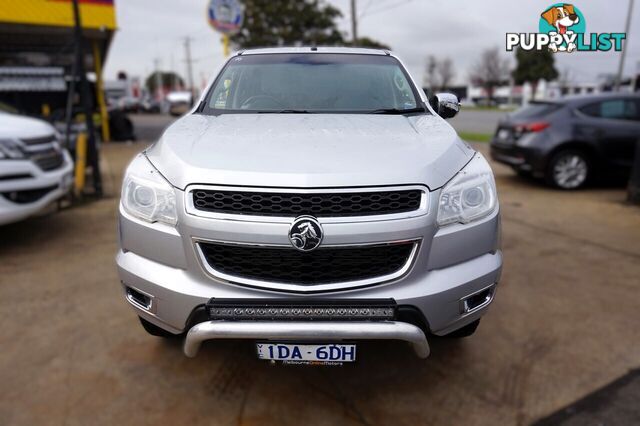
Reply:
x=286, y=111
x=395, y=111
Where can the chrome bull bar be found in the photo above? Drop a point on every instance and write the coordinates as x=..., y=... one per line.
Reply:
x=312, y=330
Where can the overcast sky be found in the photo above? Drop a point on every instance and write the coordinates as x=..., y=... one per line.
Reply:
x=459, y=29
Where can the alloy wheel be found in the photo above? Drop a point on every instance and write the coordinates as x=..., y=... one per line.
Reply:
x=570, y=171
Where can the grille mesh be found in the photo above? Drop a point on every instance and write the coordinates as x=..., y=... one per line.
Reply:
x=322, y=266
x=48, y=159
x=39, y=141
x=316, y=204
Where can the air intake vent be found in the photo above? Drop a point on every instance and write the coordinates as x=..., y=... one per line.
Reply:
x=331, y=204
x=326, y=265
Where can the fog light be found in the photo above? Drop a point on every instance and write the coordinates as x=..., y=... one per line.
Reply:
x=476, y=300
x=233, y=309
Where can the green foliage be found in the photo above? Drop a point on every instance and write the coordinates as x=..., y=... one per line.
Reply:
x=475, y=136
x=367, y=42
x=288, y=23
x=293, y=23
x=534, y=65
x=168, y=79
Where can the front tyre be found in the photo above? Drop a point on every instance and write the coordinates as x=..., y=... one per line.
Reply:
x=154, y=330
x=569, y=169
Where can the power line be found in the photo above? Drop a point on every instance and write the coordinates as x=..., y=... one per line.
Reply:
x=391, y=6
x=364, y=10
x=368, y=5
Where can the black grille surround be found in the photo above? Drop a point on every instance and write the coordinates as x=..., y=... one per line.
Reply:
x=29, y=195
x=317, y=204
x=326, y=265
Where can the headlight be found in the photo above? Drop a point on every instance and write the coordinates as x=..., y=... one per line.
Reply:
x=147, y=195
x=10, y=148
x=470, y=195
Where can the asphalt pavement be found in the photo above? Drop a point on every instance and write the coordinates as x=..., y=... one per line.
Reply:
x=477, y=120
x=564, y=324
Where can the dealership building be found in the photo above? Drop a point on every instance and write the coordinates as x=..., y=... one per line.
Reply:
x=37, y=52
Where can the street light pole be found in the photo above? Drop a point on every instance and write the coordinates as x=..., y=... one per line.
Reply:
x=354, y=22
x=624, y=50
x=187, y=52
x=158, y=76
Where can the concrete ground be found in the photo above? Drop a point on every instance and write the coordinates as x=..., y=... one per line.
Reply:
x=565, y=323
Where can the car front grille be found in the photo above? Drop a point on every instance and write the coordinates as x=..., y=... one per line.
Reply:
x=331, y=204
x=44, y=152
x=39, y=141
x=326, y=265
x=48, y=159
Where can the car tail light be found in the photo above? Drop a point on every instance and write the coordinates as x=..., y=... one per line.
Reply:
x=534, y=127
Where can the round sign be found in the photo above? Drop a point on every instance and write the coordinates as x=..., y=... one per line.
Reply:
x=225, y=16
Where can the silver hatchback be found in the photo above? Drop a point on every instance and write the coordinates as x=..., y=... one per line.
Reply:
x=313, y=198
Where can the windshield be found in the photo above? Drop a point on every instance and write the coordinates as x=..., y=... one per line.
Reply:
x=312, y=83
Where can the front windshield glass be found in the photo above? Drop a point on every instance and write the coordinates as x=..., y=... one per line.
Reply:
x=313, y=83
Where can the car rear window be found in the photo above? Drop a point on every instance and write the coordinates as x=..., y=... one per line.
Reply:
x=536, y=109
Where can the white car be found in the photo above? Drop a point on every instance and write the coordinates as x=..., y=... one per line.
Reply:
x=179, y=102
x=34, y=170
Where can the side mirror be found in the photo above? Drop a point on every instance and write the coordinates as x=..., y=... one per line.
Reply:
x=448, y=105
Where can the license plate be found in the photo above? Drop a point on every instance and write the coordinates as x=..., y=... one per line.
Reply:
x=503, y=134
x=290, y=353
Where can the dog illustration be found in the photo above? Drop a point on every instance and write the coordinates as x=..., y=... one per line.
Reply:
x=561, y=17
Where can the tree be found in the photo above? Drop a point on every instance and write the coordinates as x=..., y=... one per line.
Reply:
x=533, y=66
x=430, y=79
x=367, y=42
x=288, y=23
x=564, y=80
x=446, y=73
x=438, y=73
x=167, y=79
x=490, y=71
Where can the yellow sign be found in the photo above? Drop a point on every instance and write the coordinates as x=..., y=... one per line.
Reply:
x=94, y=13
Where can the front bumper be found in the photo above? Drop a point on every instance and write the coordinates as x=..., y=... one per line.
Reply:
x=30, y=177
x=439, y=295
x=453, y=263
x=526, y=159
x=315, y=331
